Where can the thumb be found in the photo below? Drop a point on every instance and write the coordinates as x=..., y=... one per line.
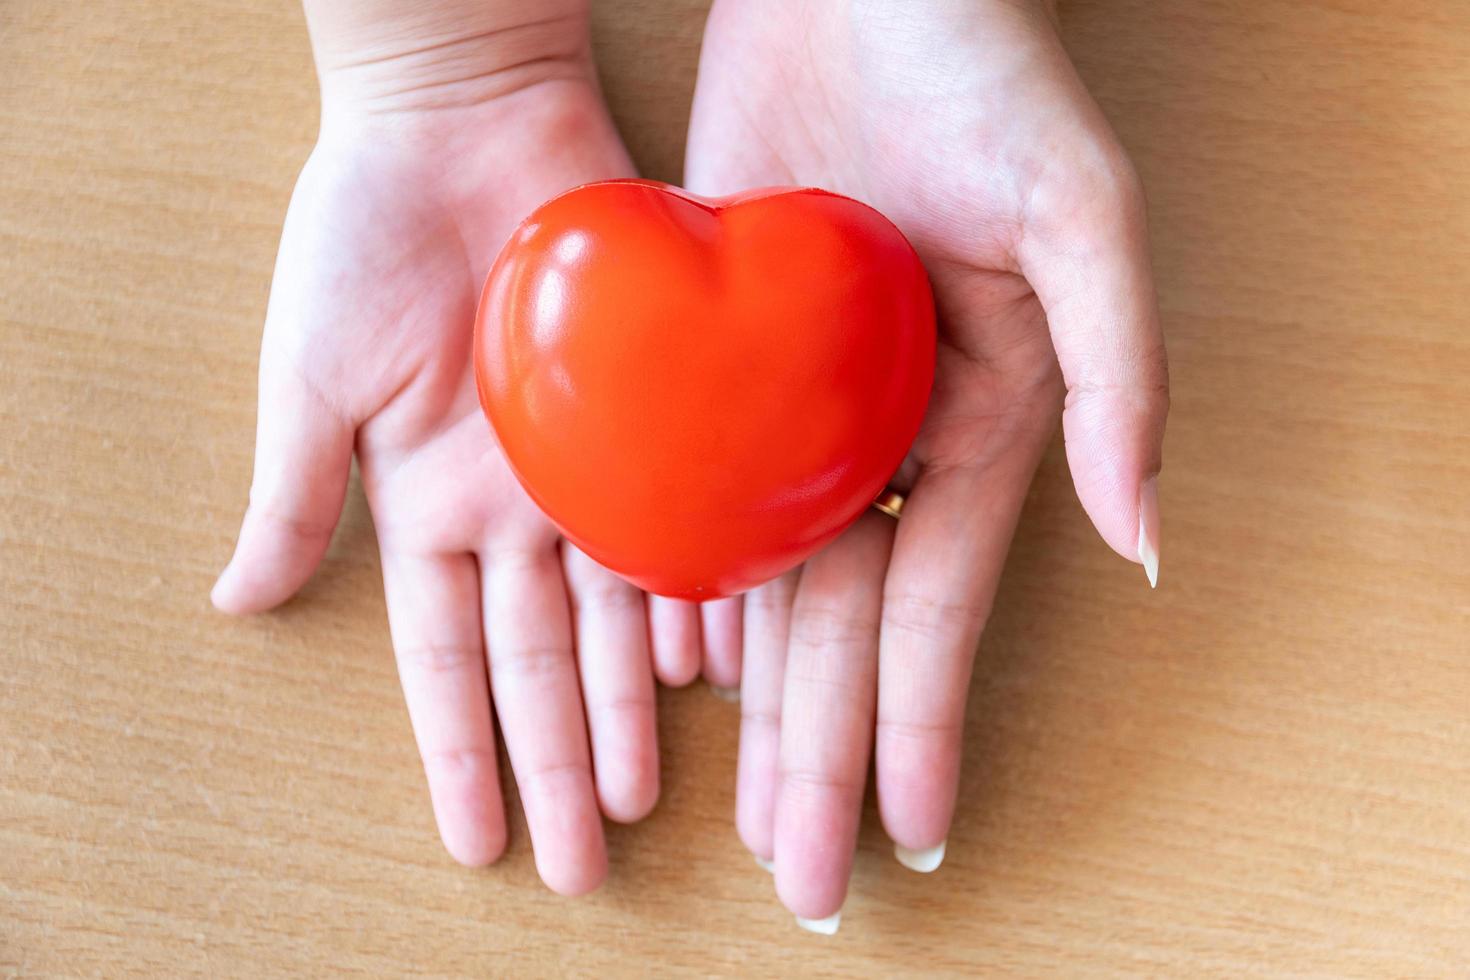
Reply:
x=303, y=455
x=1089, y=265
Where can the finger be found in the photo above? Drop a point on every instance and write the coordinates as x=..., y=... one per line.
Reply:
x=827, y=717
x=673, y=627
x=611, y=627
x=720, y=627
x=434, y=617
x=303, y=454
x=767, y=626
x=533, y=678
x=957, y=525
x=1087, y=257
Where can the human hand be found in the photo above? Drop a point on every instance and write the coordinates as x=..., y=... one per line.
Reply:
x=439, y=133
x=966, y=124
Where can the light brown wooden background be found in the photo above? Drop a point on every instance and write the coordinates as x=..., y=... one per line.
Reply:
x=1261, y=769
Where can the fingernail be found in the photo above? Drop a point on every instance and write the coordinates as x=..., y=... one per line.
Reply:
x=1148, y=529
x=768, y=865
x=827, y=926
x=924, y=859
x=731, y=694
x=217, y=591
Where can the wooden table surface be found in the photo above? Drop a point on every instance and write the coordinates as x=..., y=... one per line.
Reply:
x=1263, y=768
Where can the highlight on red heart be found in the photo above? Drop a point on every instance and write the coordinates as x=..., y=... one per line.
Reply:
x=702, y=392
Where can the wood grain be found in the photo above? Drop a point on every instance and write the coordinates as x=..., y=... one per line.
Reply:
x=1262, y=769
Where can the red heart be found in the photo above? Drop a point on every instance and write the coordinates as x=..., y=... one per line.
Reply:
x=703, y=392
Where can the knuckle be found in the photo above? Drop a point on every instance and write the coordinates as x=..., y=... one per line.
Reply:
x=530, y=660
x=284, y=520
x=621, y=707
x=768, y=600
x=1153, y=384
x=827, y=626
x=1113, y=182
x=1094, y=188
x=558, y=770
x=1104, y=194
x=934, y=618
x=821, y=782
x=461, y=762
x=608, y=597
x=1137, y=374
x=1124, y=186
x=516, y=561
x=320, y=393
x=437, y=658
x=945, y=731
x=775, y=596
x=761, y=718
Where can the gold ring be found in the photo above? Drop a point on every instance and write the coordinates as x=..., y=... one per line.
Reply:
x=890, y=502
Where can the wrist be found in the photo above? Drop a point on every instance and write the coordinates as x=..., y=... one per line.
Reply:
x=394, y=57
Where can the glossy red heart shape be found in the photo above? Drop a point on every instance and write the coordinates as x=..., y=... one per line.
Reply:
x=701, y=393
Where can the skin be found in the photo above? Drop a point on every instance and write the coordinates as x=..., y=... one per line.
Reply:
x=442, y=126
x=966, y=124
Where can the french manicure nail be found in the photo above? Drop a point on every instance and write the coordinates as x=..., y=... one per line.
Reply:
x=768, y=865
x=1148, y=529
x=731, y=694
x=826, y=927
x=924, y=859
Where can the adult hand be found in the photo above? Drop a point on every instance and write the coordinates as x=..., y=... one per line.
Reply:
x=443, y=124
x=966, y=124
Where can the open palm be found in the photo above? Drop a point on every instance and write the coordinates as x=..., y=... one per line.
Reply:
x=966, y=124
x=390, y=232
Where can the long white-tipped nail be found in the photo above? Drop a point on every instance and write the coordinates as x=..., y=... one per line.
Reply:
x=1148, y=529
x=731, y=694
x=768, y=865
x=826, y=927
x=924, y=859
